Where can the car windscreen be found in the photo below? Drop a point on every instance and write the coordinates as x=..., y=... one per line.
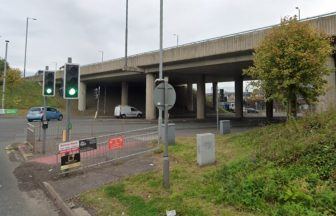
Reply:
x=34, y=109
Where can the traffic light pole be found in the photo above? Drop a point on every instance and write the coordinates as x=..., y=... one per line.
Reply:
x=217, y=109
x=44, y=121
x=68, y=111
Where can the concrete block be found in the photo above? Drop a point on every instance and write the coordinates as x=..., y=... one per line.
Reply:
x=171, y=133
x=206, y=149
x=224, y=126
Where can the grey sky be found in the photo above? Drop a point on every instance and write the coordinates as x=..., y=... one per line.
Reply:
x=79, y=28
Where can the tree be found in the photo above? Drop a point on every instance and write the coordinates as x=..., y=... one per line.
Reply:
x=13, y=78
x=2, y=66
x=290, y=63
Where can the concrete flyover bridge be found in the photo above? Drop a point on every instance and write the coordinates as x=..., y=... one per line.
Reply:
x=209, y=61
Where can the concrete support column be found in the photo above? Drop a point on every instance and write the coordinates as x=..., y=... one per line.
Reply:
x=214, y=94
x=239, y=97
x=328, y=100
x=190, y=97
x=150, y=110
x=82, y=97
x=201, y=98
x=124, y=93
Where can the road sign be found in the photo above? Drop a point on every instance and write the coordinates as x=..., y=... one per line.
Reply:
x=159, y=96
x=68, y=146
x=116, y=143
x=8, y=111
x=87, y=144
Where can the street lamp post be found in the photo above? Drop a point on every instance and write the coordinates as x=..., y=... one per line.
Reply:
x=299, y=12
x=4, y=78
x=102, y=55
x=55, y=66
x=25, y=54
x=126, y=34
x=102, y=61
x=177, y=39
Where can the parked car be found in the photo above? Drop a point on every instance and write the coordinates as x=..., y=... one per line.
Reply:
x=36, y=114
x=126, y=111
x=251, y=110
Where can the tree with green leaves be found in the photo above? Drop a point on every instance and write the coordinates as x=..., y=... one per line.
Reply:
x=291, y=62
x=13, y=78
x=2, y=66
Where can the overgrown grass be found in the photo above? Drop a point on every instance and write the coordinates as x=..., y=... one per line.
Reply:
x=27, y=94
x=285, y=169
x=143, y=194
x=291, y=172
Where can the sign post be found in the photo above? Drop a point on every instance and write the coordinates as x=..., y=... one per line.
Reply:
x=164, y=99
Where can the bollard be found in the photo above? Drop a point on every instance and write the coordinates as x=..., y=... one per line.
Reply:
x=224, y=126
x=64, y=136
x=206, y=149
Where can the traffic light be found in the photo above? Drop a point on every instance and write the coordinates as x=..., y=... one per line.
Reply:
x=96, y=92
x=221, y=95
x=48, y=83
x=71, y=81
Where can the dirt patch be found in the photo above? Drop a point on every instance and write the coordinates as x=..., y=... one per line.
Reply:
x=31, y=174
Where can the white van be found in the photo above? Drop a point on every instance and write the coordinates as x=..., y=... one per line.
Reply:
x=126, y=111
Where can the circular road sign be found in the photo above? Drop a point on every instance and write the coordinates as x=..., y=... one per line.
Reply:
x=159, y=96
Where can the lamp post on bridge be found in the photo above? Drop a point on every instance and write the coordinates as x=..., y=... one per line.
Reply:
x=177, y=39
x=299, y=12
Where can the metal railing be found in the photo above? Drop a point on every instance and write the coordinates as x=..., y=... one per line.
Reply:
x=132, y=143
x=34, y=136
x=30, y=136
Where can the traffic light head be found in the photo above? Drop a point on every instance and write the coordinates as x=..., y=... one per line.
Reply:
x=96, y=92
x=71, y=81
x=48, y=83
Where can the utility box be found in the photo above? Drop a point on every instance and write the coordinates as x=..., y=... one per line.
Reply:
x=224, y=126
x=171, y=133
x=206, y=149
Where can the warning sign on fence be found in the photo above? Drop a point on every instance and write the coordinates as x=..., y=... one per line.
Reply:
x=70, y=155
x=116, y=143
x=69, y=161
x=88, y=144
x=68, y=146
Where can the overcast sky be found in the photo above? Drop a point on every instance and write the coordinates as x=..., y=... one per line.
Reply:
x=79, y=28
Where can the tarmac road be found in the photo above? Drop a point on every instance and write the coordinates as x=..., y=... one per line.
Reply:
x=14, y=202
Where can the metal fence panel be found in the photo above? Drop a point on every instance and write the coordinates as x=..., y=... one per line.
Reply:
x=131, y=143
x=30, y=137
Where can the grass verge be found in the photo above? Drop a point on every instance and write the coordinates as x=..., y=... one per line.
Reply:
x=27, y=94
x=285, y=169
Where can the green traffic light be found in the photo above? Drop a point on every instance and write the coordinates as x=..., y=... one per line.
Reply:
x=72, y=91
x=49, y=91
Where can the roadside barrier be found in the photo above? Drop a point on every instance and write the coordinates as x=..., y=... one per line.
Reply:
x=94, y=151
